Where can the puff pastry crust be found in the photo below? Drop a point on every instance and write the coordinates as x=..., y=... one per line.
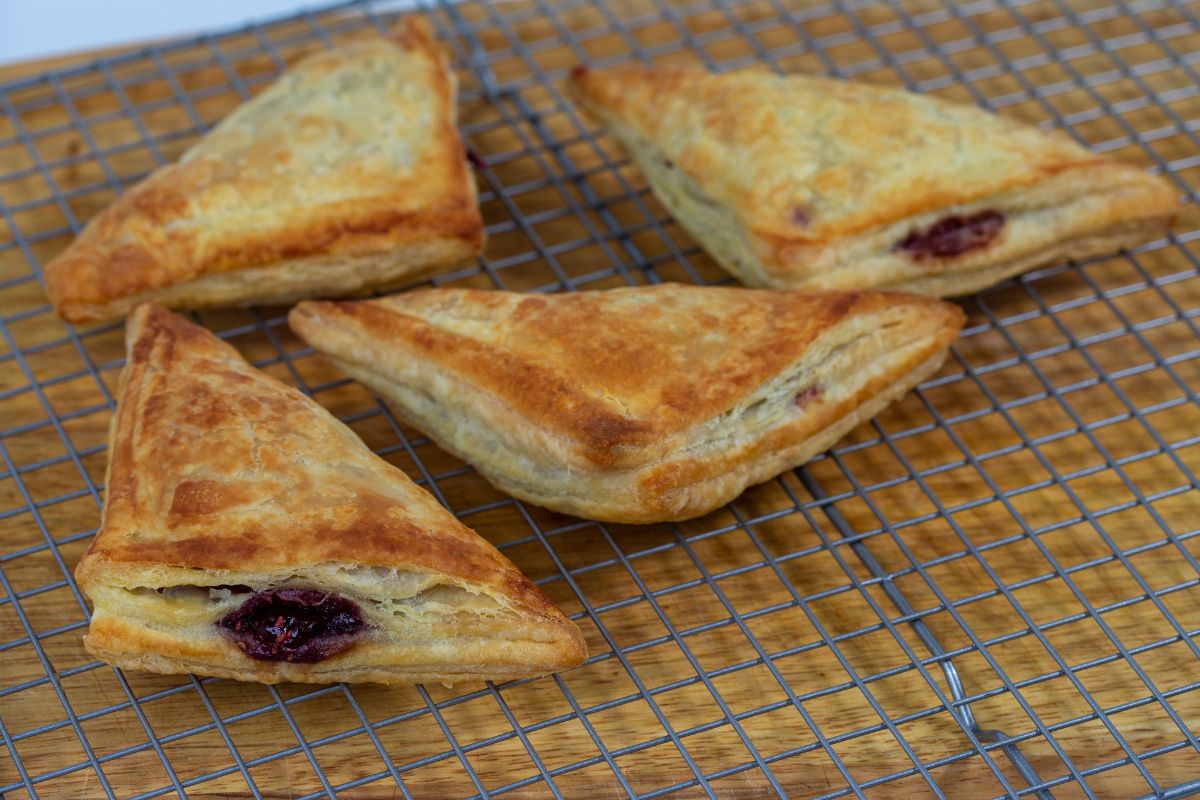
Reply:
x=641, y=404
x=225, y=486
x=346, y=174
x=797, y=182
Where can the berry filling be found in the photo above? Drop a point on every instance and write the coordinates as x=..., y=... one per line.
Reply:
x=809, y=394
x=301, y=626
x=953, y=235
x=476, y=160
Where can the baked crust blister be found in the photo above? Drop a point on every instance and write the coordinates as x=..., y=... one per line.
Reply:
x=347, y=174
x=803, y=182
x=224, y=484
x=640, y=404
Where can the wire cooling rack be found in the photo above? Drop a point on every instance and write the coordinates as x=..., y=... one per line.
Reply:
x=990, y=590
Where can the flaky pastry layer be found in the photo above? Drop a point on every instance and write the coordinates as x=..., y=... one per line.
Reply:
x=127, y=644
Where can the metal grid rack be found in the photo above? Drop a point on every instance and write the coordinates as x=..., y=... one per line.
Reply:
x=990, y=590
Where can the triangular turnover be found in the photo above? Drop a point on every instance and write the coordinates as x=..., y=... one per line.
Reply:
x=639, y=404
x=247, y=533
x=346, y=174
x=802, y=182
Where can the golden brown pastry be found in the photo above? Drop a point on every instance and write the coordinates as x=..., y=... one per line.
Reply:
x=799, y=182
x=248, y=534
x=640, y=404
x=347, y=174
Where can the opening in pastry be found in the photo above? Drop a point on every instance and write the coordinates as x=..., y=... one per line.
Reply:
x=220, y=591
x=301, y=626
x=953, y=235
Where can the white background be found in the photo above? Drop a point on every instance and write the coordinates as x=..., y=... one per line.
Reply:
x=36, y=28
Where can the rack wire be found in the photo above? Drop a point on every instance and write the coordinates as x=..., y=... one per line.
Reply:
x=990, y=590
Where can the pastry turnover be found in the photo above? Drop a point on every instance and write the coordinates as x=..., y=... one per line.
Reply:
x=802, y=182
x=248, y=534
x=640, y=404
x=347, y=174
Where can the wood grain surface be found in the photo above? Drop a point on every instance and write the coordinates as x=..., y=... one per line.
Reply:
x=1035, y=501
